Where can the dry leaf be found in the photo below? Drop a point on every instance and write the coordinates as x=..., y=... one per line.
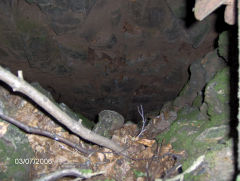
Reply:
x=166, y=148
x=3, y=128
x=100, y=156
x=146, y=142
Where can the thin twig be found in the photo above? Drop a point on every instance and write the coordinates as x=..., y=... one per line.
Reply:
x=38, y=131
x=141, y=112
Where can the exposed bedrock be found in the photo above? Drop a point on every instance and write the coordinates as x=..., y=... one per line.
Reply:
x=107, y=54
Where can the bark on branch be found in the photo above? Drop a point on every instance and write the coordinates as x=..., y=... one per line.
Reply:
x=18, y=84
x=38, y=131
x=68, y=172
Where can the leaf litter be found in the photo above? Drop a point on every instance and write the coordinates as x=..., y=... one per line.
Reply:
x=147, y=159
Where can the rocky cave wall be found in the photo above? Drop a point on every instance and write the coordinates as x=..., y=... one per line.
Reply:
x=106, y=54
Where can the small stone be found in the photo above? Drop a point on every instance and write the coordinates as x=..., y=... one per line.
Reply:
x=108, y=121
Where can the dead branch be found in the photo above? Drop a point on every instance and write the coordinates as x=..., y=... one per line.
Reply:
x=20, y=85
x=193, y=167
x=68, y=172
x=144, y=121
x=42, y=132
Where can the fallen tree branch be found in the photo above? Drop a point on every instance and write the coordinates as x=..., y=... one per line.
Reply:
x=193, y=167
x=42, y=132
x=68, y=172
x=18, y=84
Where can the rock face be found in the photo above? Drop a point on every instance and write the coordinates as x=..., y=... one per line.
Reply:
x=201, y=71
x=205, y=118
x=204, y=130
x=217, y=94
x=94, y=55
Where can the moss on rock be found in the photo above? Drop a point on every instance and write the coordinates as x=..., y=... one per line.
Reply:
x=198, y=133
x=15, y=153
x=217, y=94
